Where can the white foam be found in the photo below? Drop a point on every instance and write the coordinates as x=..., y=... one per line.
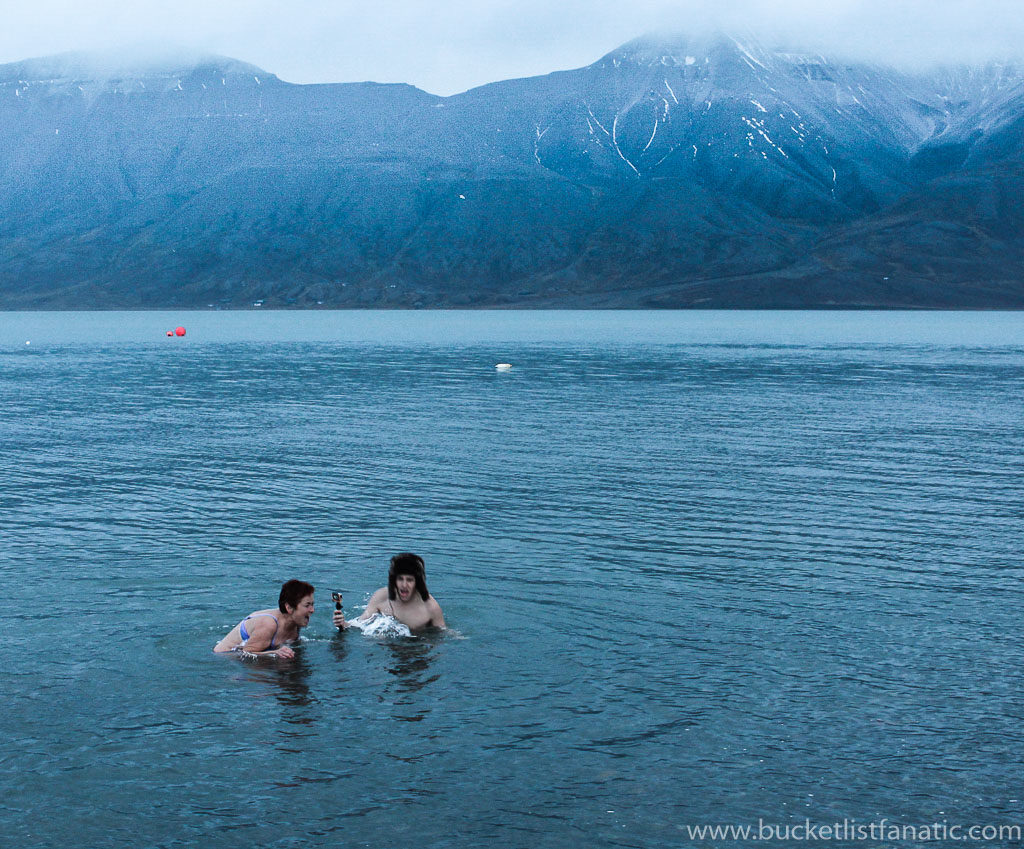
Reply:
x=381, y=625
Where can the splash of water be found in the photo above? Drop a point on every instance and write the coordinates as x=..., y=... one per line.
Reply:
x=381, y=625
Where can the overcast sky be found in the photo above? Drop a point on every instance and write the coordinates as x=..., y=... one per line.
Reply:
x=448, y=47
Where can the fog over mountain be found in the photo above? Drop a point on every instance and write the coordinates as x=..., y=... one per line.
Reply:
x=451, y=47
x=700, y=171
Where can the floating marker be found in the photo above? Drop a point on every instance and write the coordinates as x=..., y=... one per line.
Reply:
x=503, y=366
x=179, y=331
x=170, y=332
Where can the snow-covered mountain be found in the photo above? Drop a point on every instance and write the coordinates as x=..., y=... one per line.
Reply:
x=671, y=172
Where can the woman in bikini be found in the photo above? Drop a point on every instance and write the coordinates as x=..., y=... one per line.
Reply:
x=266, y=632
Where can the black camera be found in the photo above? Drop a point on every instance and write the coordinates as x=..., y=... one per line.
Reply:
x=336, y=598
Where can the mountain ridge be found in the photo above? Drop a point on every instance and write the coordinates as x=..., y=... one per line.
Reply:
x=743, y=178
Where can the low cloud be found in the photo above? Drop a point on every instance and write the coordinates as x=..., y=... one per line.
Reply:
x=458, y=45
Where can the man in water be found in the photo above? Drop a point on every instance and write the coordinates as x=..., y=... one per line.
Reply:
x=405, y=597
x=265, y=632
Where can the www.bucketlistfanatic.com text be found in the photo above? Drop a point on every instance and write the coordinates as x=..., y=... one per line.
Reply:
x=852, y=830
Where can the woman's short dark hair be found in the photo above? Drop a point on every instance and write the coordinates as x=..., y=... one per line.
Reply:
x=407, y=564
x=292, y=592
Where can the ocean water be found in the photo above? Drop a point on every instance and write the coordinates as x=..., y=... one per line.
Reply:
x=698, y=568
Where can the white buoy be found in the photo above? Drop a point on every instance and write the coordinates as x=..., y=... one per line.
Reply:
x=503, y=366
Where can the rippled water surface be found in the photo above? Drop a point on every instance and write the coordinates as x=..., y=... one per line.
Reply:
x=698, y=568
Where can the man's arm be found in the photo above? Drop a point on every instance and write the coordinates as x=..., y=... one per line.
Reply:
x=436, y=616
x=373, y=606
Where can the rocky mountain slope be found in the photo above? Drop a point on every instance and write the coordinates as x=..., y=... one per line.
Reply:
x=670, y=173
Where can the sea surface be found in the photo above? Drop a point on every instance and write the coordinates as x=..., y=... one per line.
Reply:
x=698, y=568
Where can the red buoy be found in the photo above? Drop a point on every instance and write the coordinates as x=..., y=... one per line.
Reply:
x=170, y=332
x=179, y=331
